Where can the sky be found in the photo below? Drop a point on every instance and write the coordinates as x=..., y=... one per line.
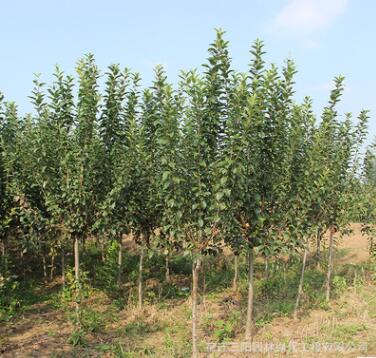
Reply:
x=325, y=38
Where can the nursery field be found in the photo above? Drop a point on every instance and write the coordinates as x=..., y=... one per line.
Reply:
x=116, y=327
x=208, y=216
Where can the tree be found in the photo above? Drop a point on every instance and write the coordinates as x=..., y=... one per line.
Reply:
x=205, y=124
x=113, y=123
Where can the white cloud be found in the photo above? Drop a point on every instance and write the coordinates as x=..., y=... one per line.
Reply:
x=302, y=17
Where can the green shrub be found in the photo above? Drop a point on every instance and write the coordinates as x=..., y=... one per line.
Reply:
x=91, y=321
x=77, y=338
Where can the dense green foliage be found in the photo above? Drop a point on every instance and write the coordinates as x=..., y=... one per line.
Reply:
x=224, y=159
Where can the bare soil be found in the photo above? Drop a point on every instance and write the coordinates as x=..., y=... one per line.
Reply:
x=42, y=330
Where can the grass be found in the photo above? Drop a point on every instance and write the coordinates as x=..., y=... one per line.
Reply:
x=113, y=325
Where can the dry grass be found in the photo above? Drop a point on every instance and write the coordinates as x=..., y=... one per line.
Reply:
x=163, y=330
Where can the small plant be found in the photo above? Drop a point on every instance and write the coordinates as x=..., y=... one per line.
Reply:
x=77, y=338
x=69, y=291
x=119, y=303
x=51, y=333
x=324, y=304
x=223, y=330
x=170, y=290
x=104, y=347
x=91, y=321
x=339, y=284
x=263, y=320
x=136, y=328
x=346, y=332
x=169, y=343
x=140, y=327
x=284, y=308
x=9, y=302
x=106, y=273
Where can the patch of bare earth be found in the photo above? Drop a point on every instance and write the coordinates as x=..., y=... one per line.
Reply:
x=346, y=325
x=356, y=247
x=43, y=331
x=39, y=332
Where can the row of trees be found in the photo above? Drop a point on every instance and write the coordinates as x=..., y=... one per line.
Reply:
x=224, y=159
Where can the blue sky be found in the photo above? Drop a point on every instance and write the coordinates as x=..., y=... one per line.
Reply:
x=324, y=37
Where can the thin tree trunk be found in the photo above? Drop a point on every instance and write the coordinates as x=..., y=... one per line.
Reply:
x=195, y=278
x=44, y=267
x=140, y=270
x=248, y=327
x=167, y=269
x=22, y=265
x=6, y=263
x=266, y=272
x=318, y=247
x=52, y=266
x=203, y=275
x=330, y=264
x=120, y=262
x=77, y=277
x=3, y=259
x=300, y=288
x=130, y=296
x=236, y=273
x=102, y=246
x=63, y=267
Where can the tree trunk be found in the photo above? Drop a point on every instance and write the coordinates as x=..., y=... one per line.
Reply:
x=77, y=277
x=318, y=247
x=266, y=272
x=3, y=259
x=195, y=279
x=300, y=288
x=22, y=264
x=236, y=273
x=52, y=266
x=63, y=267
x=167, y=269
x=140, y=269
x=203, y=265
x=248, y=327
x=330, y=264
x=5, y=251
x=103, y=253
x=120, y=262
x=44, y=264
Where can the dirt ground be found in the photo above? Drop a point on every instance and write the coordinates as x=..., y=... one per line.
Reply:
x=42, y=330
x=355, y=245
